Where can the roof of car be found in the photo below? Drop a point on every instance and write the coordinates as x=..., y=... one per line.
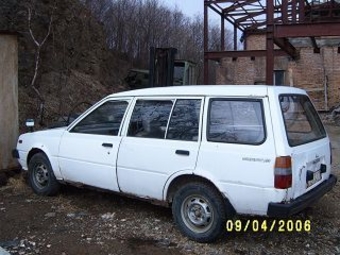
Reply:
x=206, y=90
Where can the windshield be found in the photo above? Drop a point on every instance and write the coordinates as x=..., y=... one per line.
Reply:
x=302, y=121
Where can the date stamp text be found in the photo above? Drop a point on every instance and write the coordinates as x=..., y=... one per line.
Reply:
x=256, y=225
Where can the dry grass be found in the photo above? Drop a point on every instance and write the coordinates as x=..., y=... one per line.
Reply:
x=17, y=183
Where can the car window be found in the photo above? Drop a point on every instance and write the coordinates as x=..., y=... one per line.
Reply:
x=105, y=120
x=236, y=121
x=150, y=118
x=184, y=122
x=301, y=120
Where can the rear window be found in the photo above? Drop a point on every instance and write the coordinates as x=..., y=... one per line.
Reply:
x=301, y=120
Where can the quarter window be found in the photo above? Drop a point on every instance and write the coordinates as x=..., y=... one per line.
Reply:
x=184, y=122
x=105, y=120
x=150, y=118
x=236, y=121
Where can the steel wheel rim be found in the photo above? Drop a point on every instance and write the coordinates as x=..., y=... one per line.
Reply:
x=197, y=213
x=40, y=175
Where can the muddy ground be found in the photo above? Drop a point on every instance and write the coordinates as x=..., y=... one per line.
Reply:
x=80, y=221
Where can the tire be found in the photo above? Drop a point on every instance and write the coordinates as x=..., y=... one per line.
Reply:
x=199, y=212
x=41, y=177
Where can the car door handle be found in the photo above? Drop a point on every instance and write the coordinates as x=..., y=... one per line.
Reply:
x=183, y=152
x=107, y=145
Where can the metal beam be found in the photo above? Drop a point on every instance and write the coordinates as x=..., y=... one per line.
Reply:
x=301, y=11
x=217, y=55
x=294, y=11
x=270, y=42
x=222, y=34
x=286, y=46
x=235, y=37
x=220, y=13
x=285, y=11
x=206, y=41
x=307, y=30
x=239, y=5
x=315, y=45
x=251, y=15
x=216, y=1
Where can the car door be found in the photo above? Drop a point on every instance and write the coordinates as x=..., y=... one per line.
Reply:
x=88, y=150
x=157, y=145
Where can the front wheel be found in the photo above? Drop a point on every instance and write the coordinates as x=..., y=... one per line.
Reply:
x=199, y=212
x=41, y=176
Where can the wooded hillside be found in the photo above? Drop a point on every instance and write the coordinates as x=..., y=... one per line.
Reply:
x=72, y=51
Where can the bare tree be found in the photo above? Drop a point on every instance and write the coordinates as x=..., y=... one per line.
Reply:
x=37, y=58
x=133, y=26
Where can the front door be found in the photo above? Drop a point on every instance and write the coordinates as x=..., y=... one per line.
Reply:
x=88, y=150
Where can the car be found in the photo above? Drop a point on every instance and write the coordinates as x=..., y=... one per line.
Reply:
x=208, y=152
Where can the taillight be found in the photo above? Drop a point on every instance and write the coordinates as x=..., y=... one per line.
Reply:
x=331, y=153
x=283, y=172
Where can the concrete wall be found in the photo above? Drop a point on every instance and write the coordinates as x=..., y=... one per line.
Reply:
x=8, y=99
x=318, y=73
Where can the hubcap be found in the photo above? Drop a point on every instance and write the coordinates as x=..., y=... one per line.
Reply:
x=197, y=213
x=40, y=175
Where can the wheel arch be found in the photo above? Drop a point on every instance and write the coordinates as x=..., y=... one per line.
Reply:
x=32, y=152
x=53, y=161
x=181, y=180
x=41, y=174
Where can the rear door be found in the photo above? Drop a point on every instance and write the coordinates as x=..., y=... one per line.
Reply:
x=162, y=138
x=308, y=141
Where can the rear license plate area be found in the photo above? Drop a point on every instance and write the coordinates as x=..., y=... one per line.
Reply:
x=313, y=177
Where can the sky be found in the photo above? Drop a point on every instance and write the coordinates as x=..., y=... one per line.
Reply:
x=188, y=7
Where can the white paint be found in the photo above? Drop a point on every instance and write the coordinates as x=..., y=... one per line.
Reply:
x=4, y=252
x=145, y=167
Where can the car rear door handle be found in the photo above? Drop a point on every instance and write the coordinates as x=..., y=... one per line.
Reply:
x=107, y=145
x=183, y=152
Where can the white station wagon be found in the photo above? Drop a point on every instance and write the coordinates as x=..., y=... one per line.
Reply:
x=207, y=151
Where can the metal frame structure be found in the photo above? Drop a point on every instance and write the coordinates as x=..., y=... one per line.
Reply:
x=280, y=20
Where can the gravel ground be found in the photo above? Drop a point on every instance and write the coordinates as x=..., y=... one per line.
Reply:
x=80, y=221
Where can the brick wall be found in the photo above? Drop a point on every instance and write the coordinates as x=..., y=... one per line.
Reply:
x=256, y=42
x=312, y=71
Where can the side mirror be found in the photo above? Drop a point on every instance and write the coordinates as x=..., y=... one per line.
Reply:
x=30, y=124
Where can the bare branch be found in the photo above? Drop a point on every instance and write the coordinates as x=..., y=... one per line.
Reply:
x=37, y=57
x=29, y=26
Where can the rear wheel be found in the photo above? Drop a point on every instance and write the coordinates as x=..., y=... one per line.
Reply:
x=41, y=176
x=199, y=212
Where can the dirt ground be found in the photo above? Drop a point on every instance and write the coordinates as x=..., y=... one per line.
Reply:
x=80, y=221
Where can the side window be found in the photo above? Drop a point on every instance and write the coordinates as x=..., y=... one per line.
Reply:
x=150, y=118
x=105, y=120
x=236, y=121
x=184, y=122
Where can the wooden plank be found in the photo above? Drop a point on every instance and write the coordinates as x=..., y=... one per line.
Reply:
x=9, y=128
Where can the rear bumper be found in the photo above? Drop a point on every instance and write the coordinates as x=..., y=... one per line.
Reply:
x=278, y=210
